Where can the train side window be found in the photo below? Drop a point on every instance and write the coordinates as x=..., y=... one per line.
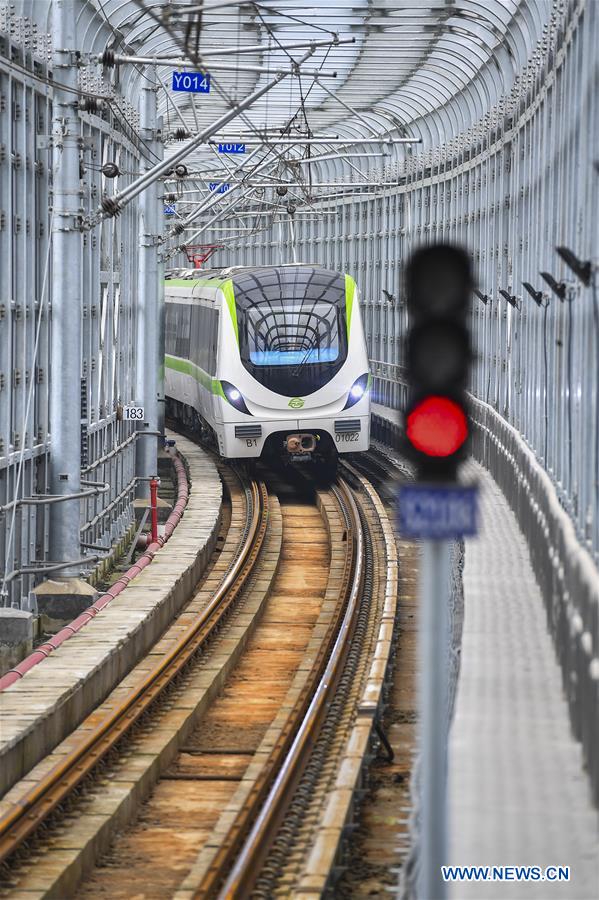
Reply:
x=195, y=334
x=170, y=337
x=199, y=337
x=183, y=329
x=203, y=323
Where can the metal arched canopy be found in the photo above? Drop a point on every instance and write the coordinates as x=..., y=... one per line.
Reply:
x=430, y=71
x=410, y=59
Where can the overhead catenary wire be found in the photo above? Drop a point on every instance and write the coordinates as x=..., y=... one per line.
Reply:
x=167, y=27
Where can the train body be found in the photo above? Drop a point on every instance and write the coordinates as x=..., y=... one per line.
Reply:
x=271, y=360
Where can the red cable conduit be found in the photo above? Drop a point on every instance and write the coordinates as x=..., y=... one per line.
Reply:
x=45, y=649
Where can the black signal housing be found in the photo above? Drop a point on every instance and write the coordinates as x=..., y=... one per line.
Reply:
x=439, y=286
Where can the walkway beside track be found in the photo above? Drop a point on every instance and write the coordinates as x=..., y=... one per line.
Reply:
x=38, y=711
x=518, y=794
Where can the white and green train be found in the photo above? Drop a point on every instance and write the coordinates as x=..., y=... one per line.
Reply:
x=271, y=360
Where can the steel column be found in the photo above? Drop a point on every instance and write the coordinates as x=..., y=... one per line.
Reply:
x=67, y=299
x=149, y=295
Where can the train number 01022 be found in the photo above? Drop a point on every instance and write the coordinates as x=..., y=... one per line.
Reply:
x=352, y=436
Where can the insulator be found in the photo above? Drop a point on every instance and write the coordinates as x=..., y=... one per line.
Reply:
x=180, y=134
x=89, y=104
x=178, y=229
x=181, y=171
x=281, y=191
x=108, y=58
x=291, y=208
x=110, y=170
x=110, y=206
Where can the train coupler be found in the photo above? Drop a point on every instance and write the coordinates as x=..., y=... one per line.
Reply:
x=300, y=445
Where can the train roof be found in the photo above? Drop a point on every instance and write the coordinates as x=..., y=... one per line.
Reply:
x=237, y=273
x=255, y=285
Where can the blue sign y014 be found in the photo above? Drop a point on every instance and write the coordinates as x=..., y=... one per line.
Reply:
x=191, y=82
x=231, y=148
x=169, y=210
x=437, y=512
x=218, y=188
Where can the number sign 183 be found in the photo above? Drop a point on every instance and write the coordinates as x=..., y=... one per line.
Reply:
x=134, y=412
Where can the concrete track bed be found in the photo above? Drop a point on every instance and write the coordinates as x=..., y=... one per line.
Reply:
x=53, y=698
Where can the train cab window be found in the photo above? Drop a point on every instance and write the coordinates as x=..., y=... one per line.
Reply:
x=288, y=334
x=292, y=332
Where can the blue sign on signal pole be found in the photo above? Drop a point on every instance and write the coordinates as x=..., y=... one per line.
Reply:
x=169, y=210
x=437, y=512
x=231, y=148
x=218, y=188
x=191, y=82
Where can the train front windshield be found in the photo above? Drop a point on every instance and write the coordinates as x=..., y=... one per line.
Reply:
x=292, y=333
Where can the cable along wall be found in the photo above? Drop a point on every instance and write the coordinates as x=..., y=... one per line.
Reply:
x=105, y=367
x=512, y=187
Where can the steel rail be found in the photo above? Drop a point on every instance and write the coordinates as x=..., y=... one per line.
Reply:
x=37, y=804
x=237, y=863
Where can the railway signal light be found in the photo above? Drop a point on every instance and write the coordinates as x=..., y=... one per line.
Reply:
x=439, y=285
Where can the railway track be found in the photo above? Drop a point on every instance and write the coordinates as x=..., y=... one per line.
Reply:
x=228, y=741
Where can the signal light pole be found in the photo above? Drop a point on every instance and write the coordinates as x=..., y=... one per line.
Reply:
x=436, y=509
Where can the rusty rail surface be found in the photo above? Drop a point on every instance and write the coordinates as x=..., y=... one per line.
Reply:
x=31, y=811
x=237, y=863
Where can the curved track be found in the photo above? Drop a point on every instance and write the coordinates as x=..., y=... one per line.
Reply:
x=237, y=863
x=331, y=703
x=54, y=788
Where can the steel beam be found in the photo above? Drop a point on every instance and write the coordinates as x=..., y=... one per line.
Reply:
x=265, y=141
x=112, y=205
x=184, y=63
x=224, y=51
x=67, y=291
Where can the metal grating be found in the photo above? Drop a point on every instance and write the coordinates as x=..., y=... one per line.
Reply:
x=342, y=426
x=248, y=431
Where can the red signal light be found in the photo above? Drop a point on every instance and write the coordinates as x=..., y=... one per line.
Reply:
x=437, y=426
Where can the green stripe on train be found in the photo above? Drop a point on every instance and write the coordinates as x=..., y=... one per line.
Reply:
x=229, y=293
x=350, y=290
x=186, y=367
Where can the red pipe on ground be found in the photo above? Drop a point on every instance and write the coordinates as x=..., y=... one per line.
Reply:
x=77, y=624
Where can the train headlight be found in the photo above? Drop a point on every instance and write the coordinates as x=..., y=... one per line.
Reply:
x=234, y=396
x=357, y=390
